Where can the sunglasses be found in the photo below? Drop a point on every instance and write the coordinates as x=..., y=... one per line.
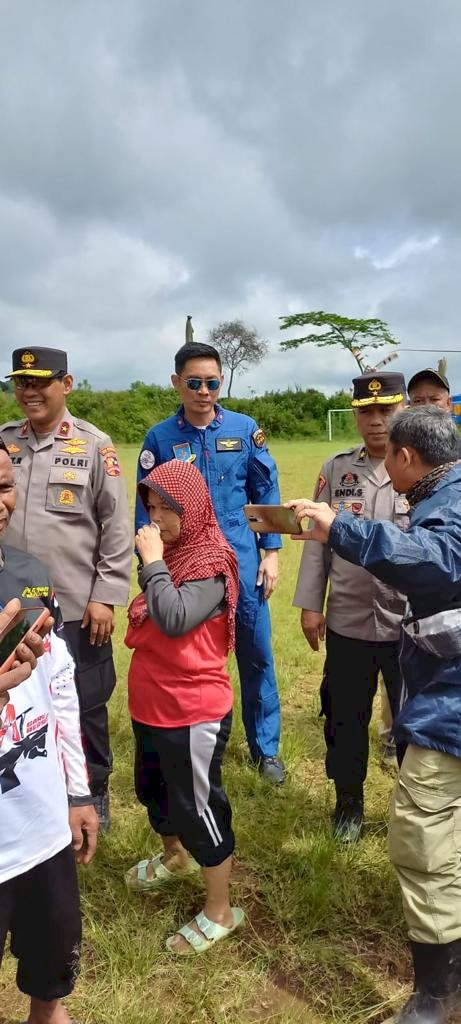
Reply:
x=39, y=383
x=195, y=383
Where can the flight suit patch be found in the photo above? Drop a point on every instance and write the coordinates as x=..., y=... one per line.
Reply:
x=66, y=498
x=259, y=438
x=147, y=459
x=183, y=452
x=228, y=444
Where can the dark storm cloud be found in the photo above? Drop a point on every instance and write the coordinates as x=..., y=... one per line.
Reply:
x=241, y=160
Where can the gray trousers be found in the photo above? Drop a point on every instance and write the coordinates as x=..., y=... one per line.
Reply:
x=425, y=843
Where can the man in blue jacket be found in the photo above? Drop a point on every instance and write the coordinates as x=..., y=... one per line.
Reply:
x=230, y=451
x=424, y=563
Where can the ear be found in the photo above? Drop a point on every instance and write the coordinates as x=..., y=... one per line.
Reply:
x=408, y=456
x=68, y=383
x=175, y=381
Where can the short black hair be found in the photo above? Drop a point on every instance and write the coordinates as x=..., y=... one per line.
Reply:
x=194, y=350
x=3, y=447
x=429, y=430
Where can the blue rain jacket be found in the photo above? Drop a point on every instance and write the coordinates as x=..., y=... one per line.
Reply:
x=425, y=564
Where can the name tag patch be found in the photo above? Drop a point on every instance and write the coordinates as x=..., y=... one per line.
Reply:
x=229, y=444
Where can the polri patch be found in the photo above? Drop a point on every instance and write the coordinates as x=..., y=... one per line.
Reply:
x=183, y=452
x=147, y=459
x=229, y=444
x=321, y=483
x=259, y=438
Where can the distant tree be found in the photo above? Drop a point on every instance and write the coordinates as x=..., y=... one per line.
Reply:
x=353, y=335
x=239, y=347
x=84, y=385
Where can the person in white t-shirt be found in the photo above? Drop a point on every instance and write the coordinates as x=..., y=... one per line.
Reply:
x=47, y=816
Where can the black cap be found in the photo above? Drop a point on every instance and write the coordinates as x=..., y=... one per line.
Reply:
x=431, y=374
x=38, y=362
x=376, y=387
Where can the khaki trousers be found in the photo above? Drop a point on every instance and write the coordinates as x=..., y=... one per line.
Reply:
x=425, y=843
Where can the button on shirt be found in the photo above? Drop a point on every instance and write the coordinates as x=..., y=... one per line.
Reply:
x=358, y=605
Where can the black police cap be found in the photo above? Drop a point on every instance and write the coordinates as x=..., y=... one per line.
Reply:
x=38, y=362
x=383, y=388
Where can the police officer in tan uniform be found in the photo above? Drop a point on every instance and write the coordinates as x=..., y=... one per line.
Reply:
x=363, y=616
x=72, y=512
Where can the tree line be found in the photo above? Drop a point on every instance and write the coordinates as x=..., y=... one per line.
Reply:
x=127, y=415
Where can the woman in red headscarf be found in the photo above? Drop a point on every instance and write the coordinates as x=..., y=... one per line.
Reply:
x=180, y=698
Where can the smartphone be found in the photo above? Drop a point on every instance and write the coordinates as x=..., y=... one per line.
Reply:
x=25, y=620
x=271, y=519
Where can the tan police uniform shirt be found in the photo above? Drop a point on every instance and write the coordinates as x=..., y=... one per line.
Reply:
x=72, y=511
x=358, y=604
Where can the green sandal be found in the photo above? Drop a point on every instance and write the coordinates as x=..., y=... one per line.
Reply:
x=161, y=877
x=210, y=932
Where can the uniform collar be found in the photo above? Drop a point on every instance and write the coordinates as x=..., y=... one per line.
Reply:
x=182, y=422
x=63, y=429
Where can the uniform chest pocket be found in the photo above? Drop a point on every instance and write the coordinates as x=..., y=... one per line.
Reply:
x=65, y=490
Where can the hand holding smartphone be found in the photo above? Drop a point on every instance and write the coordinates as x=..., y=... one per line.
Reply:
x=26, y=620
x=271, y=519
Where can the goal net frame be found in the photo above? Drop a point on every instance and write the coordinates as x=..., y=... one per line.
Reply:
x=329, y=420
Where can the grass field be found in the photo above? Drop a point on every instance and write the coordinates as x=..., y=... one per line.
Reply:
x=324, y=939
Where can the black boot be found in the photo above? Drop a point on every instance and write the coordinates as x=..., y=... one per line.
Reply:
x=348, y=816
x=437, y=984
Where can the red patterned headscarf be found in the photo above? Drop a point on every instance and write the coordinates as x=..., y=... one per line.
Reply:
x=201, y=550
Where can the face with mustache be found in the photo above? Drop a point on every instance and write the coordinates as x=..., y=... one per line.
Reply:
x=7, y=491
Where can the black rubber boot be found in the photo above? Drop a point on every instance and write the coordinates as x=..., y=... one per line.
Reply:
x=348, y=816
x=437, y=984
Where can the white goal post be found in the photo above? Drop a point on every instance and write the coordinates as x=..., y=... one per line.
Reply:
x=329, y=421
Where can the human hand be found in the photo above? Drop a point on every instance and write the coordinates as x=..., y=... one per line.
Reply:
x=100, y=618
x=27, y=652
x=149, y=543
x=84, y=825
x=321, y=514
x=313, y=627
x=268, y=573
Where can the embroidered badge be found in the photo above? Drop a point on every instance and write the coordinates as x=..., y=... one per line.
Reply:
x=349, y=479
x=147, y=459
x=32, y=592
x=183, y=452
x=229, y=444
x=64, y=429
x=70, y=475
x=74, y=446
x=66, y=498
x=13, y=449
x=259, y=438
x=357, y=508
x=112, y=465
x=374, y=386
x=321, y=483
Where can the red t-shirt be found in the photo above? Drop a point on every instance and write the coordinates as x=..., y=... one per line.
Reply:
x=175, y=681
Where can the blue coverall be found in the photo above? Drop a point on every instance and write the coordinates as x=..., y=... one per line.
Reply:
x=232, y=455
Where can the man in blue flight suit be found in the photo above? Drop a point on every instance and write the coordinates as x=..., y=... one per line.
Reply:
x=230, y=451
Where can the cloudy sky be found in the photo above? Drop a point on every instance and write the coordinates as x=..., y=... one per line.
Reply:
x=245, y=159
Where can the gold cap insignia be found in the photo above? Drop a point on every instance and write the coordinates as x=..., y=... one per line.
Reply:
x=28, y=359
x=374, y=385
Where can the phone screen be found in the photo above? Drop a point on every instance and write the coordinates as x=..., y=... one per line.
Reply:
x=23, y=621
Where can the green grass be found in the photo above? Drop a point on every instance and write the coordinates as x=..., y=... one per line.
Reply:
x=324, y=940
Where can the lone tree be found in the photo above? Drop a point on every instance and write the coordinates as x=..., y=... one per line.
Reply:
x=239, y=347
x=354, y=335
